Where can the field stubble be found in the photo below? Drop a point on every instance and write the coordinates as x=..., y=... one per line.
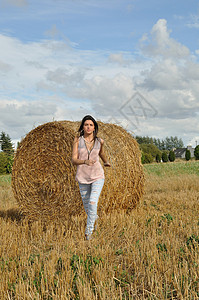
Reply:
x=150, y=253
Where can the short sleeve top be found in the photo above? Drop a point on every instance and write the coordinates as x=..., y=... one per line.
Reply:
x=88, y=174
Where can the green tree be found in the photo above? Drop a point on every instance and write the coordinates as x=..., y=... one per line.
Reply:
x=187, y=155
x=168, y=143
x=10, y=164
x=165, y=144
x=150, y=149
x=144, y=139
x=6, y=144
x=164, y=157
x=147, y=158
x=7, y=153
x=157, y=142
x=172, y=156
x=158, y=158
x=196, y=152
x=173, y=142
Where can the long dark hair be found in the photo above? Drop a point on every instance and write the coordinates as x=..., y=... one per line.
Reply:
x=81, y=130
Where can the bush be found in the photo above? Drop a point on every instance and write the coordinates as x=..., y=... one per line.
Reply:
x=3, y=163
x=142, y=157
x=6, y=162
x=149, y=153
x=196, y=152
x=150, y=149
x=172, y=156
x=158, y=158
x=164, y=157
x=10, y=164
x=147, y=158
x=187, y=155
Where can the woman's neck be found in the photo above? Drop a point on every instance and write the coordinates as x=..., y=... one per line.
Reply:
x=88, y=137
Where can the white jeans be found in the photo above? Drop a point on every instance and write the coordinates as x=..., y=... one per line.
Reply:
x=90, y=195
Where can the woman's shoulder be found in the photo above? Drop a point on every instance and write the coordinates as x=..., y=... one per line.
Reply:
x=76, y=139
x=100, y=140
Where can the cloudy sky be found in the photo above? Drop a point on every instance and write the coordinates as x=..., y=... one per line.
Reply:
x=131, y=62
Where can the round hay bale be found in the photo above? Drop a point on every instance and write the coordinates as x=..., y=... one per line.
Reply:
x=43, y=177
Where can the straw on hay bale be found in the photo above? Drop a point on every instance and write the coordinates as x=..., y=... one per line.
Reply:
x=43, y=177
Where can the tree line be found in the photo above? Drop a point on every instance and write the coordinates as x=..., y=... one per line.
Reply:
x=168, y=143
x=162, y=150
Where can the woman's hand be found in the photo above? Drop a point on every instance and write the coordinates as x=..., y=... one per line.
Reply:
x=89, y=162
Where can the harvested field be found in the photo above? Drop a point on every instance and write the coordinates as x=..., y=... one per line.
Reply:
x=150, y=253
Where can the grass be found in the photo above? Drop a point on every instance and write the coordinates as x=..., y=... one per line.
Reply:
x=4, y=179
x=173, y=168
x=151, y=253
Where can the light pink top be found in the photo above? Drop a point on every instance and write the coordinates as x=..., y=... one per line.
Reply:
x=88, y=174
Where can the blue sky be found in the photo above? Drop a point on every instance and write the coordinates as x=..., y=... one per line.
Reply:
x=113, y=24
x=131, y=62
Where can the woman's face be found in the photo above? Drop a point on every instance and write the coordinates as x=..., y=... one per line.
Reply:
x=88, y=127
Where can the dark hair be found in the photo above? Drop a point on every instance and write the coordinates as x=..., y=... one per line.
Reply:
x=88, y=117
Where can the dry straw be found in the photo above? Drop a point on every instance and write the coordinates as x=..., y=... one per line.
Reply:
x=43, y=177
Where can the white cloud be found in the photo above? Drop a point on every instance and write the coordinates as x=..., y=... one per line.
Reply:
x=161, y=44
x=119, y=58
x=66, y=77
x=18, y=117
x=164, y=75
x=4, y=67
x=173, y=78
x=28, y=63
x=193, y=22
x=194, y=141
x=163, y=127
x=46, y=80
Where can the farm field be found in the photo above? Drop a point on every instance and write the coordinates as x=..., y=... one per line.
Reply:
x=150, y=253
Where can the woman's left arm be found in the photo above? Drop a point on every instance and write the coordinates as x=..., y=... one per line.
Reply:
x=102, y=155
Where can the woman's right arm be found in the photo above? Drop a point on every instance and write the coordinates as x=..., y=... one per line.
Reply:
x=75, y=160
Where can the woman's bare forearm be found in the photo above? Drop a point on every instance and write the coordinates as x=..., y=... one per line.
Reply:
x=76, y=161
x=103, y=157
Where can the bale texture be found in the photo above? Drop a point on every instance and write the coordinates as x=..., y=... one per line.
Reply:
x=43, y=177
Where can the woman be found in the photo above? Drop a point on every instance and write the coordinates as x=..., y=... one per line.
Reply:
x=87, y=148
